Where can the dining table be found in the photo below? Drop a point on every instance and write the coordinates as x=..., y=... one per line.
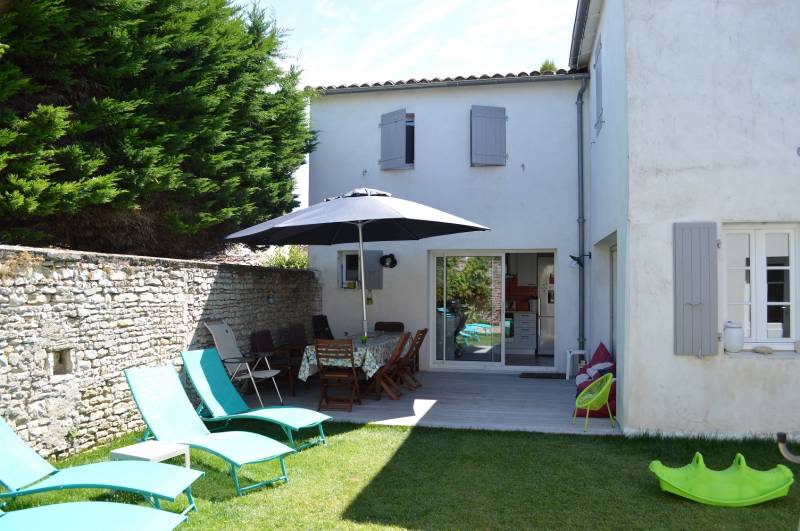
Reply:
x=369, y=356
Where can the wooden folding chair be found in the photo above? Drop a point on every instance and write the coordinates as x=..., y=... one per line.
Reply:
x=382, y=380
x=261, y=342
x=322, y=330
x=405, y=366
x=337, y=370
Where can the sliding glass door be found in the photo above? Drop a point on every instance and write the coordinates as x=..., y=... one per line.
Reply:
x=469, y=309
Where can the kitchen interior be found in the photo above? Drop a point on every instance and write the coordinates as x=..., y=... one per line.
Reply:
x=530, y=309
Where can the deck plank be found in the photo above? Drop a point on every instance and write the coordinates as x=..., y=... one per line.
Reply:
x=502, y=402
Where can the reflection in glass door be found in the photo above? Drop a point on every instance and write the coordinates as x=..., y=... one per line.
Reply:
x=469, y=308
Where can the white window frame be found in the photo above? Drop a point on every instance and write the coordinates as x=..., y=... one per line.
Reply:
x=342, y=273
x=758, y=282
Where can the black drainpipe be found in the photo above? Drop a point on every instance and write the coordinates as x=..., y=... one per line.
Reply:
x=582, y=255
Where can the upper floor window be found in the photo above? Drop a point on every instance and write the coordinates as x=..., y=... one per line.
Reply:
x=760, y=282
x=397, y=140
x=597, y=81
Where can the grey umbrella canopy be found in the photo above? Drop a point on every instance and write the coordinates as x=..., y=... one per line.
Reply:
x=361, y=215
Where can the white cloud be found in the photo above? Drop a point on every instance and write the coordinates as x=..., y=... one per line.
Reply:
x=436, y=39
x=328, y=9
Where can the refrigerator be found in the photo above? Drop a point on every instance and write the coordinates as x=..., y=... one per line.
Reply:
x=546, y=319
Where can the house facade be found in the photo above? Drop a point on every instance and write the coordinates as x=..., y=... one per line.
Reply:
x=674, y=183
x=526, y=195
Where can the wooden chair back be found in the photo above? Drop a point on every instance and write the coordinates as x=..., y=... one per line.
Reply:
x=416, y=343
x=398, y=349
x=331, y=351
x=390, y=326
x=295, y=336
x=322, y=329
x=261, y=341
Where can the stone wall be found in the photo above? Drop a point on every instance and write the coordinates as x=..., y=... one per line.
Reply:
x=70, y=322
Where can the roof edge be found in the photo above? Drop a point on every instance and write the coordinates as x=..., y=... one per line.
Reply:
x=574, y=76
x=578, y=29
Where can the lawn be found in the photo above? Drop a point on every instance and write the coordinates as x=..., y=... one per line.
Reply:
x=376, y=477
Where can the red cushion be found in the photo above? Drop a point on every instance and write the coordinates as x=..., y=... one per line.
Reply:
x=601, y=355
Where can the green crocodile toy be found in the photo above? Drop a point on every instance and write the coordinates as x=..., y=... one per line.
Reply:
x=736, y=486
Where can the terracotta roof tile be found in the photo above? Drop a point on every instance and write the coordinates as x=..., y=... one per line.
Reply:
x=436, y=80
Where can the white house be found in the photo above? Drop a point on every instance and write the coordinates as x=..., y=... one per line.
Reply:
x=682, y=157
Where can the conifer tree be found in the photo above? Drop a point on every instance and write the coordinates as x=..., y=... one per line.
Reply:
x=144, y=126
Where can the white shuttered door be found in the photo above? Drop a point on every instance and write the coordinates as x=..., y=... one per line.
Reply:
x=488, y=136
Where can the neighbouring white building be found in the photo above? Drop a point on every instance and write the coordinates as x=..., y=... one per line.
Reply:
x=642, y=199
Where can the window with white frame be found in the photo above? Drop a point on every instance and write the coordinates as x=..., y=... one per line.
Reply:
x=760, y=286
x=348, y=269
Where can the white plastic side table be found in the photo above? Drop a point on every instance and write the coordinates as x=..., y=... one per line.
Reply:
x=155, y=451
x=572, y=353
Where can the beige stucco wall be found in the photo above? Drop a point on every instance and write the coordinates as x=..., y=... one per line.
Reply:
x=713, y=106
x=606, y=177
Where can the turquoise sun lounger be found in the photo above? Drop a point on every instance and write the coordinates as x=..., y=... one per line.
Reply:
x=23, y=472
x=84, y=516
x=222, y=403
x=169, y=416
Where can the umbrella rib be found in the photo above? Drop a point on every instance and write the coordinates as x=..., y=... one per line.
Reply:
x=414, y=235
x=336, y=233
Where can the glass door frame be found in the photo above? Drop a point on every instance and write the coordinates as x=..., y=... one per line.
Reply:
x=457, y=364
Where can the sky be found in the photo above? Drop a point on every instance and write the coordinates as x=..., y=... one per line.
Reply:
x=359, y=41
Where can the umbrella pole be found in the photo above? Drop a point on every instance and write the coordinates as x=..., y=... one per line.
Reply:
x=360, y=226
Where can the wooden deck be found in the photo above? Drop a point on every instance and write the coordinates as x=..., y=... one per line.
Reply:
x=462, y=400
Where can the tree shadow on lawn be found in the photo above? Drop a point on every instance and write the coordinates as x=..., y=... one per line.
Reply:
x=477, y=479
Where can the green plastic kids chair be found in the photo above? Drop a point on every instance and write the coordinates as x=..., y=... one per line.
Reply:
x=593, y=398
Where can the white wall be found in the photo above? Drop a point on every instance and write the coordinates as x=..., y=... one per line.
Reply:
x=606, y=155
x=528, y=208
x=714, y=100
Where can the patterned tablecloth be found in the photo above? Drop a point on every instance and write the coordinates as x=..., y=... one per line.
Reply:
x=369, y=357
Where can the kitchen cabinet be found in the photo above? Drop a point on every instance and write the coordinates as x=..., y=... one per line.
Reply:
x=524, y=333
x=511, y=264
x=525, y=269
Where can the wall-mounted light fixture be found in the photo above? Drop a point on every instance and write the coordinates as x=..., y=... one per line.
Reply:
x=579, y=259
x=388, y=260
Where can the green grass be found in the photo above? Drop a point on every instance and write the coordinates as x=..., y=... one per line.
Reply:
x=374, y=477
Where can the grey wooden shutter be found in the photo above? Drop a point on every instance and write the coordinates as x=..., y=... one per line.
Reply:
x=597, y=79
x=373, y=270
x=488, y=136
x=393, y=140
x=695, y=284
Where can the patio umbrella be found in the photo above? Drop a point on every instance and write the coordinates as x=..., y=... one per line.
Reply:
x=360, y=215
